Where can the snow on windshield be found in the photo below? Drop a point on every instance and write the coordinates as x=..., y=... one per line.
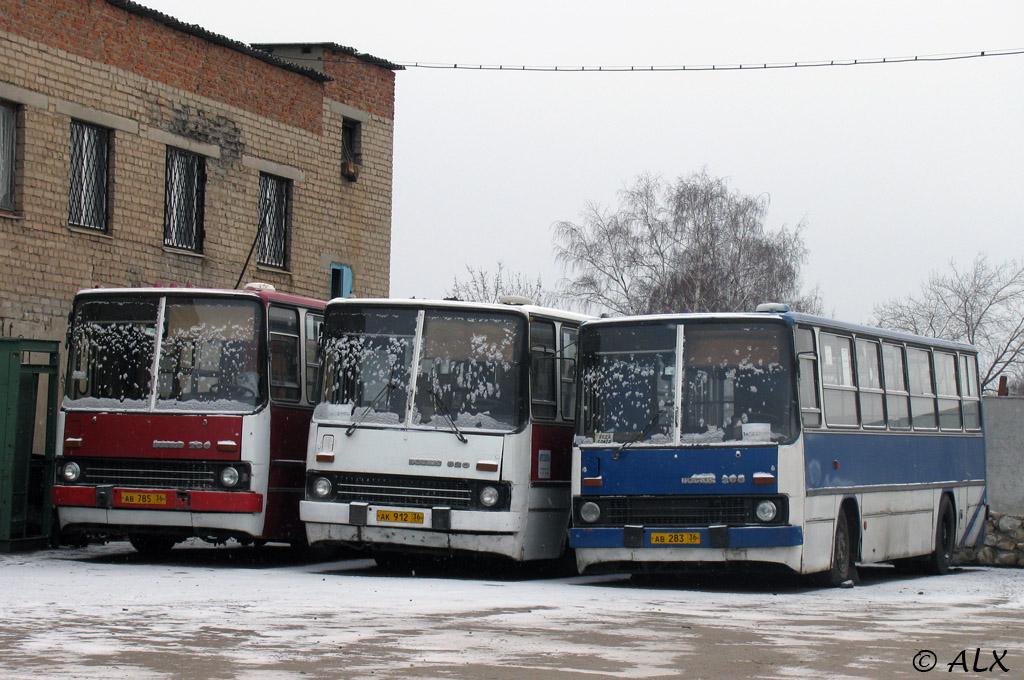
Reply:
x=209, y=357
x=209, y=361
x=367, y=359
x=468, y=370
x=112, y=344
x=736, y=384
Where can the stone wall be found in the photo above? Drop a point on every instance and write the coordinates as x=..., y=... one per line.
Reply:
x=1004, y=460
x=1004, y=543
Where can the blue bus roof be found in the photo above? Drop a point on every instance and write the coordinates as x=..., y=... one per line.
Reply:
x=790, y=318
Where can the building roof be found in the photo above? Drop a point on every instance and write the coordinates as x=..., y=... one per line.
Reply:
x=335, y=47
x=252, y=51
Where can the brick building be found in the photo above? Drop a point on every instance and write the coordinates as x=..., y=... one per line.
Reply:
x=137, y=150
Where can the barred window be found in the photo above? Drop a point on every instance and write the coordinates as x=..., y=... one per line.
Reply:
x=87, y=189
x=273, y=227
x=184, y=199
x=351, y=141
x=8, y=121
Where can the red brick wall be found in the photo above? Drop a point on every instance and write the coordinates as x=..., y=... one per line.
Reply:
x=359, y=84
x=97, y=30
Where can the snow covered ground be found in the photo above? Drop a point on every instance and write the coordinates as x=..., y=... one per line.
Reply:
x=231, y=612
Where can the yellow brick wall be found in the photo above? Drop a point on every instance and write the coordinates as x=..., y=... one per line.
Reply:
x=46, y=261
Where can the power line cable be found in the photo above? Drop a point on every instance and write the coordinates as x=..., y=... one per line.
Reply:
x=718, y=67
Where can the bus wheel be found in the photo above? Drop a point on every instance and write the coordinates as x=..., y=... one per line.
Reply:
x=843, y=568
x=945, y=540
x=152, y=545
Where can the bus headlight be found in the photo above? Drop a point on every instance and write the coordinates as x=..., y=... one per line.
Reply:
x=489, y=496
x=229, y=477
x=590, y=512
x=71, y=472
x=322, y=487
x=766, y=511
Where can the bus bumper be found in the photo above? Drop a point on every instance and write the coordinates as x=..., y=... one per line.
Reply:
x=442, y=529
x=193, y=501
x=622, y=546
x=96, y=508
x=728, y=537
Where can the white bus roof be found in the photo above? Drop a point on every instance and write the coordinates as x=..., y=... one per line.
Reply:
x=526, y=310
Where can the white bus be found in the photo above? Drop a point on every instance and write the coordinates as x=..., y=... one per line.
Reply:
x=774, y=437
x=443, y=427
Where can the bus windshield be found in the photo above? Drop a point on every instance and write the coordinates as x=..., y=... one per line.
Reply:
x=210, y=354
x=468, y=371
x=736, y=383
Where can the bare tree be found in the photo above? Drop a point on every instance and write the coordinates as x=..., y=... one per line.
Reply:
x=982, y=304
x=692, y=246
x=484, y=286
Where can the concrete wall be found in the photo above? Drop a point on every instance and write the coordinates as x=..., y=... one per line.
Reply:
x=1004, y=449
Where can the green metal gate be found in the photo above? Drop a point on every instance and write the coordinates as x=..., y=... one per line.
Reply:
x=28, y=424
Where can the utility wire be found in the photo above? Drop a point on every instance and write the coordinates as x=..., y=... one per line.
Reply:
x=718, y=67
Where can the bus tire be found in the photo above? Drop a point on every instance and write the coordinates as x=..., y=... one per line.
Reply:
x=152, y=545
x=939, y=560
x=843, y=568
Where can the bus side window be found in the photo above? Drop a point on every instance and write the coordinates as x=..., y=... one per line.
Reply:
x=869, y=380
x=542, y=372
x=922, y=391
x=946, y=392
x=897, y=400
x=810, y=405
x=314, y=324
x=284, y=354
x=840, y=391
x=568, y=372
x=969, y=391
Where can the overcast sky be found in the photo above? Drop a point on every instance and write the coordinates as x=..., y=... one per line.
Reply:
x=895, y=168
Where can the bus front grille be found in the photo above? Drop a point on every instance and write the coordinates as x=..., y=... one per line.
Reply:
x=422, y=492
x=678, y=511
x=152, y=474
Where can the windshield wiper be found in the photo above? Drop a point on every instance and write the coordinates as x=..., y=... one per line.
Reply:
x=440, y=406
x=387, y=388
x=639, y=435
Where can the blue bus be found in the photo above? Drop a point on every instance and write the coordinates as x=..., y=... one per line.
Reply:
x=774, y=437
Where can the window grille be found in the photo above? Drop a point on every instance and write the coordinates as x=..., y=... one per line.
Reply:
x=87, y=189
x=351, y=142
x=8, y=120
x=273, y=224
x=184, y=199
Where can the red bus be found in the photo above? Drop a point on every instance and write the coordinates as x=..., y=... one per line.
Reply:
x=186, y=414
